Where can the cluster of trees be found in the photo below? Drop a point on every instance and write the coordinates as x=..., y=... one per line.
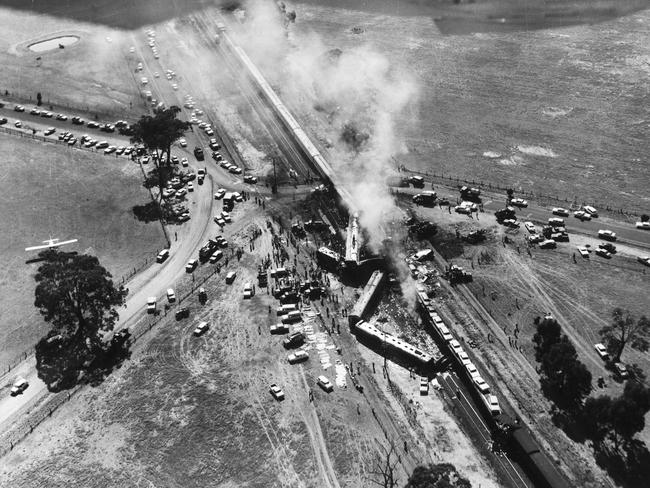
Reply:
x=78, y=298
x=158, y=132
x=563, y=378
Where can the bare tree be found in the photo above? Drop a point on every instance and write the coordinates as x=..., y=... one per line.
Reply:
x=624, y=330
x=384, y=467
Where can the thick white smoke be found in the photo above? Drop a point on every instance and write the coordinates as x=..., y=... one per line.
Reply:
x=355, y=89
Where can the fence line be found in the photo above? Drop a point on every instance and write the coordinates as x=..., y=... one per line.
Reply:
x=141, y=327
x=46, y=103
x=526, y=193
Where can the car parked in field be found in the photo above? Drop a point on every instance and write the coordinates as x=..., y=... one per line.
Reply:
x=201, y=329
x=277, y=392
x=621, y=370
x=61, y=117
x=584, y=252
x=162, y=256
x=519, y=202
x=18, y=124
x=296, y=339
x=530, y=227
x=643, y=225
x=230, y=277
x=582, y=215
x=49, y=131
x=182, y=313
x=590, y=210
x=325, y=383
x=182, y=142
x=216, y=256
x=191, y=265
x=171, y=296
x=603, y=253
x=19, y=386
x=607, y=235
x=151, y=305
x=297, y=357
x=562, y=212
x=602, y=351
x=19, y=108
x=251, y=180
x=248, y=290
x=608, y=246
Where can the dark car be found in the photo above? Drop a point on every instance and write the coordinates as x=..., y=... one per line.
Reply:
x=77, y=121
x=296, y=339
x=182, y=313
x=3, y=121
x=198, y=153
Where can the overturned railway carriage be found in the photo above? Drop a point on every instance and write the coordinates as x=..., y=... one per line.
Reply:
x=328, y=259
x=368, y=298
x=392, y=345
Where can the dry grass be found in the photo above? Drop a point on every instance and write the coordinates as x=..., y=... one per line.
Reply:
x=51, y=190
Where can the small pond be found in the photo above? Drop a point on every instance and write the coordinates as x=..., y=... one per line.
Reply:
x=55, y=43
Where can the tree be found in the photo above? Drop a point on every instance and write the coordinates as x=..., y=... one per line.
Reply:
x=384, y=468
x=77, y=297
x=511, y=193
x=548, y=333
x=157, y=133
x=645, y=217
x=596, y=417
x=625, y=330
x=564, y=379
x=39, y=99
x=437, y=476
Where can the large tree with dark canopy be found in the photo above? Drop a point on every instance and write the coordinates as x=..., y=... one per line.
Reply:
x=437, y=476
x=157, y=133
x=548, y=333
x=624, y=330
x=78, y=298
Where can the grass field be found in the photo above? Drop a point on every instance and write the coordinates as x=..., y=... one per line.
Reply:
x=49, y=190
x=91, y=75
x=563, y=109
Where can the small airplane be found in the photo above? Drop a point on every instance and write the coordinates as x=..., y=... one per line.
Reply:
x=50, y=243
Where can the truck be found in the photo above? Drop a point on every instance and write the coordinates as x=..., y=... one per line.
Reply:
x=228, y=201
x=207, y=250
x=426, y=198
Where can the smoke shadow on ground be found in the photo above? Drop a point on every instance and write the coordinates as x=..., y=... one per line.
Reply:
x=463, y=17
x=118, y=14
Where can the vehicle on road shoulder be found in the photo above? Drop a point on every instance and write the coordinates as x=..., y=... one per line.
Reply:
x=151, y=305
x=607, y=235
x=191, y=265
x=297, y=357
x=562, y=212
x=230, y=277
x=643, y=225
x=277, y=392
x=519, y=202
x=602, y=351
x=19, y=386
x=325, y=384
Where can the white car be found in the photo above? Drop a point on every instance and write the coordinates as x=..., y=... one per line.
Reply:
x=462, y=210
x=219, y=221
x=584, y=252
x=519, y=202
x=530, y=227
x=563, y=212
x=582, y=215
x=230, y=277
x=590, y=210
x=184, y=163
x=151, y=305
x=424, y=386
x=181, y=193
x=209, y=132
x=19, y=386
x=298, y=357
x=248, y=290
x=156, y=74
x=182, y=142
x=643, y=225
x=144, y=80
x=216, y=256
x=171, y=296
x=190, y=187
x=277, y=392
x=325, y=383
x=191, y=265
x=602, y=351
x=201, y=329
x=607, y=235
x=219, y=194
x=645, y=260
x=49, y=131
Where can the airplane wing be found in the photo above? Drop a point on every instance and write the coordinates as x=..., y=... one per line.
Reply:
x=35, y=248
x=49, y=245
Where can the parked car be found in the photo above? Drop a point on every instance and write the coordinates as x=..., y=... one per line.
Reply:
x=298, y=357
x=182, y=142
x=562, y=212
x=582, y=215
x=602, y=351
x=424, y=386
x=182, y=313
x=643, y=225
x=277, y=392
x=519, y=202
x=325, y=383
x=171, y=296
x=590, y=210
x=19, y=386
x=230, y=277
x=216, y=256
x=49, y=131
x=219, y=194
x=530, y=227
x=621, y=370
x=603, y=253
x=251, y=180
x=607, y=235
x=201, y=329
x=191, y=265
x=584, y=252
x=295, y=339
x=162, y=256
x=248, y=290
x=645, y=260
x=151, y=305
